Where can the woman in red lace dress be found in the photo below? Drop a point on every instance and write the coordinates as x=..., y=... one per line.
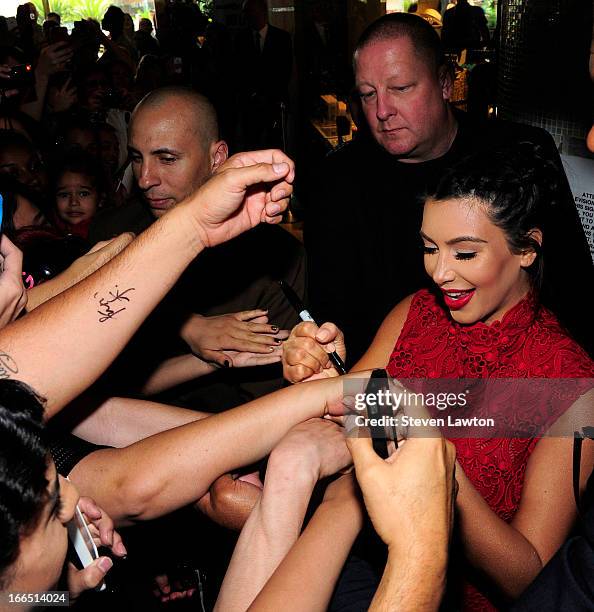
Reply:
x=482, y=231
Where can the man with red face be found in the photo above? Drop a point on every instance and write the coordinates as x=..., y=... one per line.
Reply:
x=365, y=202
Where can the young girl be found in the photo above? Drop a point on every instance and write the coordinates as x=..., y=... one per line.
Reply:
x=79, y=190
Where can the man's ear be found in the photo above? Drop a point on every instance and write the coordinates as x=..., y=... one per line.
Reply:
x=446, y=81
x=219, y=152
x=528, y=256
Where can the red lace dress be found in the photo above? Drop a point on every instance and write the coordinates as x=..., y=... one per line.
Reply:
x=527, y=343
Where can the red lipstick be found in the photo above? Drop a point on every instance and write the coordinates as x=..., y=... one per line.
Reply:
x=457, y=298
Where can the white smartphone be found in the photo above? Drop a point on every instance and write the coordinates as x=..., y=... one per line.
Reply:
x=82, y=541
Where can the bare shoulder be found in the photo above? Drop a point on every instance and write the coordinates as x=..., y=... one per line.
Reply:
x=378, y=354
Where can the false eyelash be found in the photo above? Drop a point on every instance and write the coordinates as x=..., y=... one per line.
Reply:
x=465, y=256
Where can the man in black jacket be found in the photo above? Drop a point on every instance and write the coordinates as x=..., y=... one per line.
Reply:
x=265, y=61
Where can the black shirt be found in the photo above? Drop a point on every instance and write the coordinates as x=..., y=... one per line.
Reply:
x=362, y=224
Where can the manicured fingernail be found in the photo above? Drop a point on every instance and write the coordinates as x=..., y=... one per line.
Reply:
x=278, y=340
x=121, y=549
x=281, y=194
x=272, y=209
x=274, y=328
x=226, y=363
x=271, y=348
x=279, y=168
x=105, y=564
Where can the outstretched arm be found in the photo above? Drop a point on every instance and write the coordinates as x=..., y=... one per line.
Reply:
x=174, y=468
x=309, y=452
x=82, y=267
x=307, y=576
x=92, y=321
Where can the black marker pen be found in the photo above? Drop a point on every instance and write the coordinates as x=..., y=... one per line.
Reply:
x=304, y=315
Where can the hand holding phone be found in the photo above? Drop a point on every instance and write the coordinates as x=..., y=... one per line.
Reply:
x=15, y=78
x=83, y=543
x=82, y=540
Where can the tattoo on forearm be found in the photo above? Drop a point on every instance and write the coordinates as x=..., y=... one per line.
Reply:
x=106, y=310
x=8, y=366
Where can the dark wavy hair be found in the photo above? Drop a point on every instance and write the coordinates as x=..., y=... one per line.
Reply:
x=79, y=162
x=520, y=188
x=24, y=455
x=10, y=188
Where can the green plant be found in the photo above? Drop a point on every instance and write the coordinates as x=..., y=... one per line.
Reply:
x=93, y=9
x=64, y=8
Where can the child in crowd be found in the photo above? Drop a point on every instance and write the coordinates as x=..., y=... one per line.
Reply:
x=78, y=192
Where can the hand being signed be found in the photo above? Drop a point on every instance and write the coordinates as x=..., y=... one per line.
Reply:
x=238, y=339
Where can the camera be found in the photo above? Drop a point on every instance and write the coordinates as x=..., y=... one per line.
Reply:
x=20, y=77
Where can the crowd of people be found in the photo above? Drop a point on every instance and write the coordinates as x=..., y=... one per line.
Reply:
x=150, y=361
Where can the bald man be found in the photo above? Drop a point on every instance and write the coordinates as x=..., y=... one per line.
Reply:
x=174, y=148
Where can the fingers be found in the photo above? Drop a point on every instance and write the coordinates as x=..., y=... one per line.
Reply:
x=262, y=319
x=217, y=357
x=258, y=173
x=108, y=249
x=361, y=449
x=9, y=250
x=88, y=578
x=245, y=359
x=277, y=203
x=244, y=336
x=267, y=156
x=245, y=341
x=88, y=506
x=326, y=335
x=303, y=355
x=246, y=315
x=98, y=246
x=98, y=519
x=118, y=547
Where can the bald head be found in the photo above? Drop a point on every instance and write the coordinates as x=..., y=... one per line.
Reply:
x=174, y=145
x=185, y=106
